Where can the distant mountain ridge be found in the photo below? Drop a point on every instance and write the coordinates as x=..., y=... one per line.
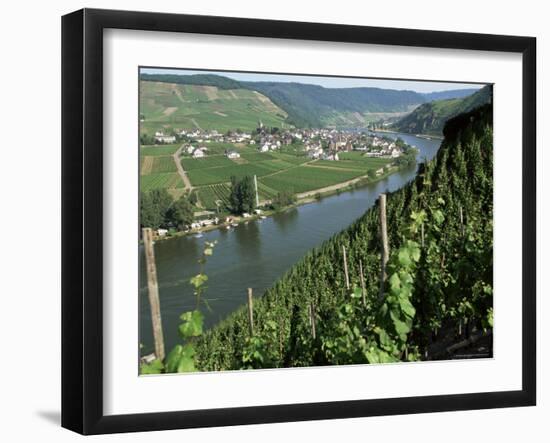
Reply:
x=316, y=106
x=430, y=118
x=309, y=105
x=447, y=94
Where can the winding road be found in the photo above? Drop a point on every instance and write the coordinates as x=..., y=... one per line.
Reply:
x=181, y=172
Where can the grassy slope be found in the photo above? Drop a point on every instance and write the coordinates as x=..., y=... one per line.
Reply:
x=178, y=106
x=430, y=118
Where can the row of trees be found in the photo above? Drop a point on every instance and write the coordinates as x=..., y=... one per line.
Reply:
x=158, y=209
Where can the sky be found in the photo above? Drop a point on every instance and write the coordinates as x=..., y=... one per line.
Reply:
x=328, y=82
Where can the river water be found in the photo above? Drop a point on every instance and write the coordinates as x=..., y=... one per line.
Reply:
x=254, y=255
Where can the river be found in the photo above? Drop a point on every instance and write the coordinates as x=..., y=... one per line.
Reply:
x=256, y=254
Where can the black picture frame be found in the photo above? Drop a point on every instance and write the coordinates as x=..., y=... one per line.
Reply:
x=82, y=218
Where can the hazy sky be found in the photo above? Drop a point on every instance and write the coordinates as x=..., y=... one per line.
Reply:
x=328, y=82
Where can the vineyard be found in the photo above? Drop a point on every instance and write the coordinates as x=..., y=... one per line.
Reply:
x=209, y=195
x=307, y=178
x=207, y=176
x=158, y=150
x=163, y=164
x=164, y=180
x=333, y=308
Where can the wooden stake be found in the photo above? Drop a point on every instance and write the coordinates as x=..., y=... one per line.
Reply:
x=152, y=285
x=346, y=267
x=461, y=221
x=363, y=288
x=312, y=320
x=250, y=311
x=385, y=252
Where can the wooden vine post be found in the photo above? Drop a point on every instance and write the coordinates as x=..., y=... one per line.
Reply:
x=385, y=249
x=422, y=234
x=250, y=312
x=461, y=221
x=152, y=285
x=346, y=267
x=312, y=320
x=363, y=287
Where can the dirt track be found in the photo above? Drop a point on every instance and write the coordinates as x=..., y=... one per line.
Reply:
x=181, y=172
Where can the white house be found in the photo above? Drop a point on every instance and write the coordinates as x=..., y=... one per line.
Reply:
x=199, y=153
x=190, y=149
x=161, y=232
x=264, y=147
x=233, y=154
x=161, y=138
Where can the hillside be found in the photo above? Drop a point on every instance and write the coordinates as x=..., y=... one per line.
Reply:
x=430, y=118
x=444, y=95
x=315, y=106
x=167, y=106
x=447, y=282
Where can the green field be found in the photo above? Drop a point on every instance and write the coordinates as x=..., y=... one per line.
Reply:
x=159, y=149
x=163, y=164
x=175, y=106
x=190, y=164
x=363, y=164
x=308, y=178
x=257, y=157
x=208, y=176
x=209, y=195
x=166, y=180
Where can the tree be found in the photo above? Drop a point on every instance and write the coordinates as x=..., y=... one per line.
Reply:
x=242, y=197
x=285, y=198
x=155, y=208
x=182, y=212
x=148, y=215
x=247, y=194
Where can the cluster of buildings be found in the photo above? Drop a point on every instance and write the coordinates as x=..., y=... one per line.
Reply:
x=322, y=144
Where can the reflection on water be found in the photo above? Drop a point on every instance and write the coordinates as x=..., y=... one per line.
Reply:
x=255, y=254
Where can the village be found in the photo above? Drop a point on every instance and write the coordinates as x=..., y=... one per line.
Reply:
x=313, y=145
x=322, y=144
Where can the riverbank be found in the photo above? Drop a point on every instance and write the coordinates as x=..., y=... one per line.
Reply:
x=302, y=199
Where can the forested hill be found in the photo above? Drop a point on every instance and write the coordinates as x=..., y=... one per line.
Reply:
x=316, y=106
x=430, y=118
x=439, y=276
